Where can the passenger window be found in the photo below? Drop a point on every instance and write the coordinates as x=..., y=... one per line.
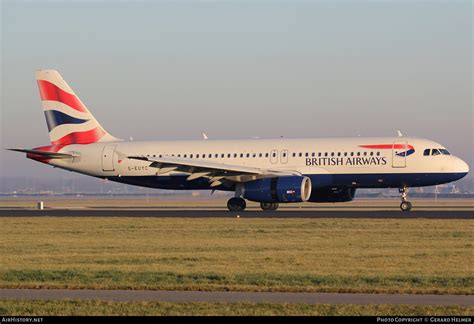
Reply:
x=294, y=154
x=284, y=154
x=300, y=154
x=325, y=153
x=228, y=155
x=332, y=154
x=319, y=154
x=248, y=154
x=274, y=154
x=241, y=155
x=313, y=154
x=260, y=155
x=266, y=154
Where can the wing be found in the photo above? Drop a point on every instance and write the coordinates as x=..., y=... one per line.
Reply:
x=216, y=172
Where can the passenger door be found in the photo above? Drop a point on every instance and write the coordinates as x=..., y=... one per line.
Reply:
x=108, y=158
x=284, y=156
x=274, y=156
x=399, y=156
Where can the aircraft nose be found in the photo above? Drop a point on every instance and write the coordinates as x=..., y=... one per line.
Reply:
x=461, y=166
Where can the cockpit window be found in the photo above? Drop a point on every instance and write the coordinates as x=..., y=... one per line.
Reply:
x=440, y=151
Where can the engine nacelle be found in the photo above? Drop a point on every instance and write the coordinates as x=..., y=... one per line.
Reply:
x=342, y=194
x=282, y=189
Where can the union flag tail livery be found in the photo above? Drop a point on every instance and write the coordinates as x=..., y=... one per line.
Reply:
x=268, y=171
x=68, y=119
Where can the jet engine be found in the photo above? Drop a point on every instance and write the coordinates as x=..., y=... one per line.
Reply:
x=285, y=189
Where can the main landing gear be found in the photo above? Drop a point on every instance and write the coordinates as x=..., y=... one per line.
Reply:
x=405, y=205
x=236, y=204
x=269, y=206
x=239, y=204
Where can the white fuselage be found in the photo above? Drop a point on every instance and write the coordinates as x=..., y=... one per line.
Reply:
x=357, y=162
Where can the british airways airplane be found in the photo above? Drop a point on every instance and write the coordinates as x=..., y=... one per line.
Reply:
x=269, y=171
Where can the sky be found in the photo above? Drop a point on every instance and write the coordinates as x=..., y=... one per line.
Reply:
x=239, y=69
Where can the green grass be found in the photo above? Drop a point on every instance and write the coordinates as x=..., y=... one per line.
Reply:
x=321, y=255
x=45, y=308
x=248, y=282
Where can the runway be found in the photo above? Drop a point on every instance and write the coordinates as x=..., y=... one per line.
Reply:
x=205, y=213
x=254, y=297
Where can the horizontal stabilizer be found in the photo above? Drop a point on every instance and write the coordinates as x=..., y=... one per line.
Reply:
x=51, y=155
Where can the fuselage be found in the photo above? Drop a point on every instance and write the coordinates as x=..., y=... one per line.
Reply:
x=382, y=162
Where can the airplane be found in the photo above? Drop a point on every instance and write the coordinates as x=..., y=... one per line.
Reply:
x=268, y=171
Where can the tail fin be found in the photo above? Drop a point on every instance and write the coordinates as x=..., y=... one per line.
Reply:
x=69, y=121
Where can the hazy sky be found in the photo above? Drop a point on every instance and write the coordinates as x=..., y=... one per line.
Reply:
x=171, y=70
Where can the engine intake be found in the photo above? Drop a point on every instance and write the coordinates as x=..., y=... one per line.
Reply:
x=282, y=189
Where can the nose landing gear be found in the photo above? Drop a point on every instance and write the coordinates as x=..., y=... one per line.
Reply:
x=405, y=205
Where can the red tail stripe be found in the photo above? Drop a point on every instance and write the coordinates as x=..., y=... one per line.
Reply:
x=49, y=91
x=87, y=137
x=388, y=146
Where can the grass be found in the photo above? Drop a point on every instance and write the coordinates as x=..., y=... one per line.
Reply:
x=321, y=255
x=97, y=308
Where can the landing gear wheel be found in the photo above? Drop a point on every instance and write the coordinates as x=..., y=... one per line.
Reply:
x=269, y=206
x=236, y=204
x=405, y=206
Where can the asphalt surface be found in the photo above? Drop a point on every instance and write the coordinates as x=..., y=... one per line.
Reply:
x=200, y=213
x=207, y=296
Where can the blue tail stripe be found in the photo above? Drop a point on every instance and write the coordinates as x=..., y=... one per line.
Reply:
x=55, y=118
